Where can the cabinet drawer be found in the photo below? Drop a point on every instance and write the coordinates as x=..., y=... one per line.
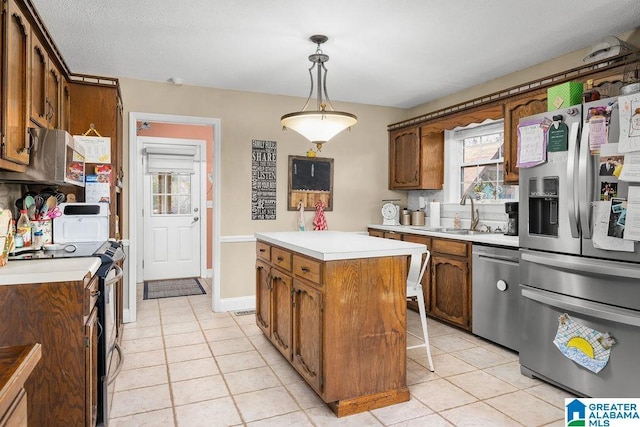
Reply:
x=281, y=258
x=415, y=238
x=307, y=268
x=263, y=251
x=451, y=247
x=91, y=293
x=392, y=235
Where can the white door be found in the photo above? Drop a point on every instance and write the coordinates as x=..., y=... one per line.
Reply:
x=172, y=218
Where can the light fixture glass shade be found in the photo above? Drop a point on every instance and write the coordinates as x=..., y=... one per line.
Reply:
x=322, y=124
x=318, y=126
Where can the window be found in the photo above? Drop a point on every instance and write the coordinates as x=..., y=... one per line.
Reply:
x=476, y=166
x=171, y=194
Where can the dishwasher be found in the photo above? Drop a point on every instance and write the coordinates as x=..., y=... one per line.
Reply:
x=496, y=295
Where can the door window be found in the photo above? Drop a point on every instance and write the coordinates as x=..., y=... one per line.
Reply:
x=170, y=194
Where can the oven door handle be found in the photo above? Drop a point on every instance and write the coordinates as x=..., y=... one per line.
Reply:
x=586, y=308
x=116, y=371
x=118, y=276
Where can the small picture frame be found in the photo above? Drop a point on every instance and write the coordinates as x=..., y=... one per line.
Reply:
x=310, y=180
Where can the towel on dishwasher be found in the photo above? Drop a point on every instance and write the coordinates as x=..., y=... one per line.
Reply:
x=583, y=345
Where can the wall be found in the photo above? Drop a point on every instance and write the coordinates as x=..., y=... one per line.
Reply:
x=360, y=164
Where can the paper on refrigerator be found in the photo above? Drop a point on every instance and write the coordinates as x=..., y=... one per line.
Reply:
x=632, y=220
x=629, y=106
x=601, y=239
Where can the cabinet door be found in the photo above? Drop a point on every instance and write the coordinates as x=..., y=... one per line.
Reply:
x=53, y=98
x=514, y=111
x=281, y=314
x=307, y=333
x=263, y=297
x=432, y=165
x=91, y=368
x=404, y=158
x=450, y=285
x=39, y=71
x=426, y=279
x=65, y=106
x=17, y=85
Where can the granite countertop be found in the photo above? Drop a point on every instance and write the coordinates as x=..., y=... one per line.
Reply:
x=497, y=239
x=48, y=270
x=338, y=245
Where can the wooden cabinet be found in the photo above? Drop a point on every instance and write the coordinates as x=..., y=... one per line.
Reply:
x=450, y=291
x=16, y=365
x=404, y=158
x=15, y=88
x=54, y=96
x=416, y=159
x=39, y=65
x=334, y=320
x=281, y=324
x=513, y=112
x=62, y=316
x=426, y=278
x=100, y=105
x=307, y=333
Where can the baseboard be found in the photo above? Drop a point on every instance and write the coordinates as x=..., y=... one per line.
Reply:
x=238, y=303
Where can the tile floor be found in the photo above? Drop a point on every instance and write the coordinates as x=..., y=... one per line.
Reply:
x=188, y=366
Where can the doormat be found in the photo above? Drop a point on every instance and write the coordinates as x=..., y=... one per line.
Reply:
x=156, y=289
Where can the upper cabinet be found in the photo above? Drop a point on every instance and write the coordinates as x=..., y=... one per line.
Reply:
x=513, y=112
x=16, y=85
x=416, y=159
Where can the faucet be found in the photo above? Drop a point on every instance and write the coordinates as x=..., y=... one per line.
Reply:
x=474, y=212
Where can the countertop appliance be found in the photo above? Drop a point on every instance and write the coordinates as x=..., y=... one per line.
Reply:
x=54, y=158
x=511, y=209
x=561, y=272
x=496, y=295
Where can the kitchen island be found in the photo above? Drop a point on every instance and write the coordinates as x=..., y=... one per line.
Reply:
x=334, y=305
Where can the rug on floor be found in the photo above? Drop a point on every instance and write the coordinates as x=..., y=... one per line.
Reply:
x=155, y=289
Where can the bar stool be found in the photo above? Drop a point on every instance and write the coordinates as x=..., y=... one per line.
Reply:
x=414, y=289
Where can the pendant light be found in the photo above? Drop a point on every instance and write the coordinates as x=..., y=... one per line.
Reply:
x=321, y=124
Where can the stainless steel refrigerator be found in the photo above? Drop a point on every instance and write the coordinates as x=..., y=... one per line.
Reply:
x=561, y=272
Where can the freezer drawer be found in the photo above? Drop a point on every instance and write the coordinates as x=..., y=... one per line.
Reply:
x=496, y=296
x=539, y=312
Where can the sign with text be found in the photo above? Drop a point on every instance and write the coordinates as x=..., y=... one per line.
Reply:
x=263, y=179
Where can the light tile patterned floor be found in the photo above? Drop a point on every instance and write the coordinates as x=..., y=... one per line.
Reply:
x=188, y=366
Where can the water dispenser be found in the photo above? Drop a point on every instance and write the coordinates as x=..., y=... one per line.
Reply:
x=543, y=206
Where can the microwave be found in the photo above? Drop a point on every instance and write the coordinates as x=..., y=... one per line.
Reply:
x=55, y=158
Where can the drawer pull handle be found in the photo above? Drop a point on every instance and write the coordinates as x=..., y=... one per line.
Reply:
x=305, y=269
x=95, y=293
x=262, y=250
x=281, y=258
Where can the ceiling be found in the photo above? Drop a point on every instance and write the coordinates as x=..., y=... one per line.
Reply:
x=398, y=53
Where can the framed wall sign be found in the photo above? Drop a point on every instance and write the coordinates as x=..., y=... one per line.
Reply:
x=310, y=180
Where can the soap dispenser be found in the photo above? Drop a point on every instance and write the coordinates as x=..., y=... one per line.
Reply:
x=456, y=222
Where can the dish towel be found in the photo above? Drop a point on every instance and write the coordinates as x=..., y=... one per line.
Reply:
x=301, y=226
x=319, y=221
x=585, y=346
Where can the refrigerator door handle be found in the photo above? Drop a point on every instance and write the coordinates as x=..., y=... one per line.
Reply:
x=591, y=266
x=571, y=185
x=586, y=184
x=586, y=308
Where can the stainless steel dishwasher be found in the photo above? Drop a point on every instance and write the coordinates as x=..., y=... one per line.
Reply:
x=496, y=295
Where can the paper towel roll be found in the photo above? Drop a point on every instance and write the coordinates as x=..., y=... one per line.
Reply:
x=434, y=214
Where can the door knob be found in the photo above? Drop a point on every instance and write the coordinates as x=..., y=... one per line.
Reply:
x=195, y=219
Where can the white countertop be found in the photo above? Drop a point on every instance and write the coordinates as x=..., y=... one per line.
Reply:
x=47, y=270
x=338, y=245
x=497, y=239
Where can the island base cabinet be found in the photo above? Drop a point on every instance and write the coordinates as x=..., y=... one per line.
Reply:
x=348, y=327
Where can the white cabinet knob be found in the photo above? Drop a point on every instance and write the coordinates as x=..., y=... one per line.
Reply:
x=501, y=285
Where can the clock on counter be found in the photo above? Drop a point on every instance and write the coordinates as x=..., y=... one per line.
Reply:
x=390, y=213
